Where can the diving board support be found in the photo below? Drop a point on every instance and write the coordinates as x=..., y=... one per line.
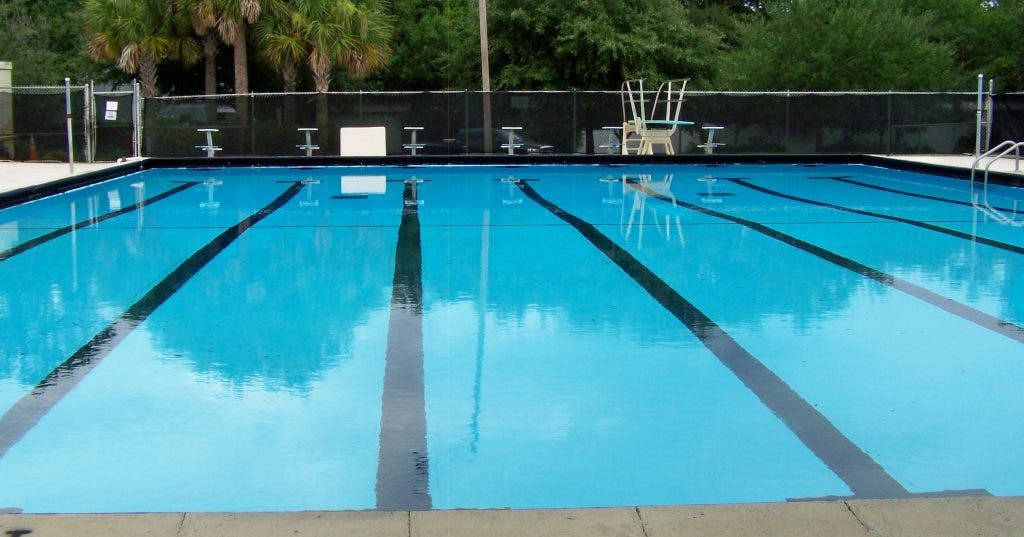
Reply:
x=511, y=145
x=710, y=145
x=412, y=146
x=210, y=148
x=309, y=146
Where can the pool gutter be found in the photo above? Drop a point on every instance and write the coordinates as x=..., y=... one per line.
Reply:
x=26, y=194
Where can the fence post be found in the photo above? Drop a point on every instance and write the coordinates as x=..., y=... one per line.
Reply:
x=888, y=125
x=574, y=127
x=136, y=120
x=6, y=112
x=989, y=111
x=67, y=108
x=87, y=120
x=977, y=125
x=785, y=146
x=252, y=124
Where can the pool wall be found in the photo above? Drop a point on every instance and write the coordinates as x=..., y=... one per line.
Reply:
x=15, y=197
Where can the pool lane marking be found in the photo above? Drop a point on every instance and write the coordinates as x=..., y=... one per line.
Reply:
x=980, y=318
x=915, y=194
x=32, y=243
x=28, y=410
x=917, y=223
x=865, y=477
x=402, y=468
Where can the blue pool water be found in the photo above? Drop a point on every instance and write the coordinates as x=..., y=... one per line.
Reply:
x=483, y=336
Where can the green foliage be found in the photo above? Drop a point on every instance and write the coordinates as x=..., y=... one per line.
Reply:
x=137, y=35
x=595, y=44
x=841, y=45
x=435, y=46
x=985, y=36
x=325, y=34
x=43, y=39
x=585, y=44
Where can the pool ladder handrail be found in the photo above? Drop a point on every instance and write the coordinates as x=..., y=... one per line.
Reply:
x=996, y=153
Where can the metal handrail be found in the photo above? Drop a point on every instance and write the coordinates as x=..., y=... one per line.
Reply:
x=996, y=153
x=1005, y=147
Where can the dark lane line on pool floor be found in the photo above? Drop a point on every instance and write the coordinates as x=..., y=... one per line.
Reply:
x=980, y=318
x=32, y=243
x=403, y=466
x=917, y=223
x=27, y=411
x=865, y=477
x=847, y=180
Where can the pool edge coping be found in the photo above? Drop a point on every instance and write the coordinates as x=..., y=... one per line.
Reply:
x=994, y=516
x=49, y=188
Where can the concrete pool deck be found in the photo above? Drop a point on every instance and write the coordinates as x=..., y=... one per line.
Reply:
x=988, y=516
x=994, y=517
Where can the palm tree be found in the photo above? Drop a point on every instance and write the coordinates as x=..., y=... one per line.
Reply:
x=342, y=33
x=205, y=18
x=137, y=35
x=279, y=35
x=372, y=26
x=234, y=18
x=325, y=34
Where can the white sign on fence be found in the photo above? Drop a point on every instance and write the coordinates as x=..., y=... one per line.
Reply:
x=111, y=111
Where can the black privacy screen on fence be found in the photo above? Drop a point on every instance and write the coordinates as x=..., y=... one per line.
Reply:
x=457, y=122
x=102, y=126
x=40, y=124
x=1010, y=111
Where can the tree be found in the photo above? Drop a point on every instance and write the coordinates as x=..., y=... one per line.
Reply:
x=985, y=36
x=233, y=20
x=281, y=43
x=840, y=45
x=435, y=46
x=595, y=44
x=137, y=35
x=205, y=18
x=44, y=40
x=326, y=34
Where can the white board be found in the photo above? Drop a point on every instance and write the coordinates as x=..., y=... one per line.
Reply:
x=363, y=142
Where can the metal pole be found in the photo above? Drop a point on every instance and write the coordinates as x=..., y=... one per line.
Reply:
x=485, y=76
x=977, y=126
x=86, y=113
x=989, y=112
x=67, y=108
x=136, y=120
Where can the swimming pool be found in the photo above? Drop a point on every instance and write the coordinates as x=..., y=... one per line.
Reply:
x=272, y=339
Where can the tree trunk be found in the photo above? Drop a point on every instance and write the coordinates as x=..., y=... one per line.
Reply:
x=210, y=63
x=241, y=59
x=322, y=79
x=147, y=75
x=289, y=73
x=322, y=116
x=242, y=87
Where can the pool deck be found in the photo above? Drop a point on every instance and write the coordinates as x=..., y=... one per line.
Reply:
x=988, y=516
x=851, y=518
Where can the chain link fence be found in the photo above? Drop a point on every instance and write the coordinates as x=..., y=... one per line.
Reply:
x=38, y=130
x=35, y=123
x=455, y=122
x=106, y=124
